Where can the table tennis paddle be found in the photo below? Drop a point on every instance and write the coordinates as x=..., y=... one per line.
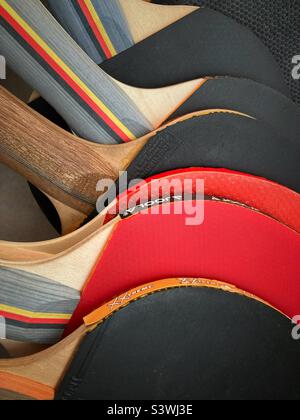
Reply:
x=232, y=237
x=222, y=342
x=276, y=23
x=94, y=106
x=72, y=186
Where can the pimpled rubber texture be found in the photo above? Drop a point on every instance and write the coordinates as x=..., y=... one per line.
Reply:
x=204, y=43
x=233, y=244
x=187, y=344
x=275, y=22
x=221, y=141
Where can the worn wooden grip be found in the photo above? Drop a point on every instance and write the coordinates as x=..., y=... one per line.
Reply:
x=60, y=164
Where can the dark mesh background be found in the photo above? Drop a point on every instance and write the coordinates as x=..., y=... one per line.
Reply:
x=275, y=22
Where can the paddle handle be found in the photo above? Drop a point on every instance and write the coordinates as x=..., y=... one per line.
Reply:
x=55, y=161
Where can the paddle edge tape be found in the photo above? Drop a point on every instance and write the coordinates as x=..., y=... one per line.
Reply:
x=100, y=315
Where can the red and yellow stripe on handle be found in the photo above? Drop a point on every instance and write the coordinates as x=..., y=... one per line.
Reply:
x=97, y=27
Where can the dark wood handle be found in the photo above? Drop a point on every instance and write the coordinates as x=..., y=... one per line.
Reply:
x=58, y=163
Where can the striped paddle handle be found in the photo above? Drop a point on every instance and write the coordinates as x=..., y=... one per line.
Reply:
x=48, y=59
x=98, y=26
x=33, y=308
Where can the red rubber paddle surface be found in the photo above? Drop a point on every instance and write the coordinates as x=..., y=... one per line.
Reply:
x=236, y=245
x=266, y=196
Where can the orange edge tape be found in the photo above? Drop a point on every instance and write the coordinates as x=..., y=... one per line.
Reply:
x=99, y=315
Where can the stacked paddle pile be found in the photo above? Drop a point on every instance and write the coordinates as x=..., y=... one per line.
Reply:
x=174, y=176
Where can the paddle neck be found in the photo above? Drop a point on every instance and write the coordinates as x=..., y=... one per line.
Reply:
x=94, y=105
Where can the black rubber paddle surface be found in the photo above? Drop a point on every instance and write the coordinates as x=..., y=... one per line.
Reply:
x=221, y=141
x=275, y=22
x=248, y=97
x=207, y=44
x=186, y=344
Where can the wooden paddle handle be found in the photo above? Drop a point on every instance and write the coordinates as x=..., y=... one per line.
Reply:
x=60, y=164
